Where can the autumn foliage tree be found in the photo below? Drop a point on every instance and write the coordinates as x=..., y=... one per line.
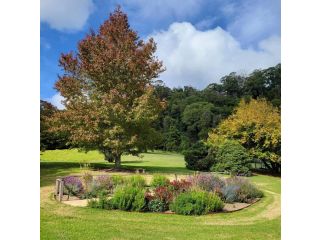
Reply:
x=256, y=125
x=108, y=91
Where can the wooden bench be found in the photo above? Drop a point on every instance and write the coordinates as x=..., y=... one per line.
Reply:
x=140, y=170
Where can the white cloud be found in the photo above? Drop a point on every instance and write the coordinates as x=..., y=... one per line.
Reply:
x=66, y=14
x=56, y=101
x=199, y=58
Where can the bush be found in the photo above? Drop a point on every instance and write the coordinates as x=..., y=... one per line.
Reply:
x=104, y=182
x=179, y=186
x=208, y=182
x=73, y=185
x=230, y=193
x=197, y=157
x=157, y=205
x=240, y=190
x=163, y=194
x=129, y=198
x=159, y=181
x=196, y=203
x=117, y=180
x=136, y=181
x=102, y=202
x=233, y=158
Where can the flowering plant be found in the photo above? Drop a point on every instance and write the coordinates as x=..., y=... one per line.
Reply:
x=73, y=185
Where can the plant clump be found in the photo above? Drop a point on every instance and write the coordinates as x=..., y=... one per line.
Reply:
x=196, y=203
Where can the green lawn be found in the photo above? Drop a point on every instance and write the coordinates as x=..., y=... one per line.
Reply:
x=59, y=221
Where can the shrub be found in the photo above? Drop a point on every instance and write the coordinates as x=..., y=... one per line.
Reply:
x=232, y=157
x=129, y=198
x=179, y=186
x=102, y=202
x=103, y=182
x=73, y=185
x=230, y=193
x=136, y=181
x=117, y=180
x=159, y=181
x=240, y=190
x=248, y=192
x=100, y=185
x=197, y=157
x=208, y=182
x=164, y=195
x=157, y=205
x=196, y=203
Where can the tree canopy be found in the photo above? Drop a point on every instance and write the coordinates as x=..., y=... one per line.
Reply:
x=48, y=139
x=256, y=125
x=107, y=87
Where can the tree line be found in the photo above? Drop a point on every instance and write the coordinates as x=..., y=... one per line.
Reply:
x=190, y=113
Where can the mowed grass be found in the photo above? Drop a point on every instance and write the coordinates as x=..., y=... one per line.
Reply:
x=59, y=221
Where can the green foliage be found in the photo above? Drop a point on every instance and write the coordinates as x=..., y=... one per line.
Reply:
x=233, y=158
x=102, y=202
x=129, y=198
x=191, y=113
x=118, y=180
x=256, y=125
x=198, y=118
x=159, y=181
x=196, y=203
x=136, y=181
x=156, y=205
x=104, y=224
x=197, y=157
x=50, y=139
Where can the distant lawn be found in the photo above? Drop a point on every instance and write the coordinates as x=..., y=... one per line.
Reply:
x=59, y=221
x=158, y=161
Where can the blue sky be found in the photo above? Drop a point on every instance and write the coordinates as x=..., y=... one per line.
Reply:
x=199, y=41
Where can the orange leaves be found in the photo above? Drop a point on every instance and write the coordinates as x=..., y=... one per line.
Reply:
x=107, y=84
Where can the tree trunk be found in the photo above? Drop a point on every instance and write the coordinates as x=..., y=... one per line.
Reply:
x=107, y=155
x=276, y=167
x=117, y=160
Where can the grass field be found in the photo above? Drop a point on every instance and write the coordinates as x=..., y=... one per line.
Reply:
x=59, y=221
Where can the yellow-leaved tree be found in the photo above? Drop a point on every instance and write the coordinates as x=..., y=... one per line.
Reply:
x=257, y=126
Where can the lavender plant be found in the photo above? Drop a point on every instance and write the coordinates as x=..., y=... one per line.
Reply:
x=207, y=182
x=73, y=185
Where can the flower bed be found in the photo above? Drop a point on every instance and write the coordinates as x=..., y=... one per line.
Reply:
x=195, y=195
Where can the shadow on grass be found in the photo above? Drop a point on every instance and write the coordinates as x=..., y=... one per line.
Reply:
x=49, y=171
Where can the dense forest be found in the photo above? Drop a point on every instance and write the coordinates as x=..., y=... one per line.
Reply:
x=190, y=113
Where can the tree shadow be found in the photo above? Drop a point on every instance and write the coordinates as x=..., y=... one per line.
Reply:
x=49, y=171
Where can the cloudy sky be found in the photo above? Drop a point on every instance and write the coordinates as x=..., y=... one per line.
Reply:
x=199, y=41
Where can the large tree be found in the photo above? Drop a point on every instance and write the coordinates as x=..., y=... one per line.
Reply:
x=256, y=125
x=108, y=91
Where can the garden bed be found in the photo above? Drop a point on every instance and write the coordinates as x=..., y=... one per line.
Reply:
x=228, y=207
x=196, y=195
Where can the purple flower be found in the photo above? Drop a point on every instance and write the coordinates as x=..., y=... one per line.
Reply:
x=73, y=184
